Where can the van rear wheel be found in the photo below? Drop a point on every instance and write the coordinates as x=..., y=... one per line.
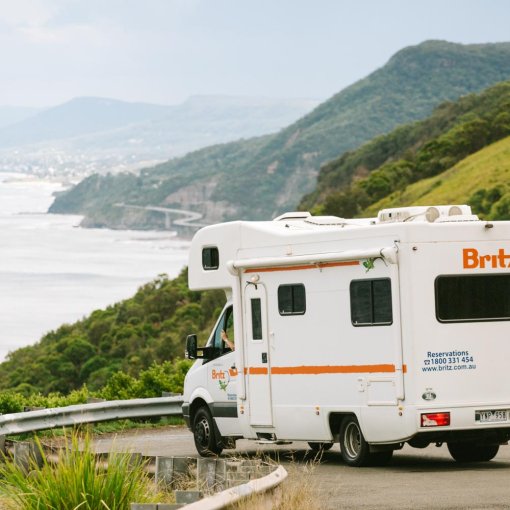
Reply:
x=355, y=450
x=320, y=447
x=470, y=452
x=204, y=434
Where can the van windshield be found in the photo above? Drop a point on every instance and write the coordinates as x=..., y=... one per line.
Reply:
x=473, y=298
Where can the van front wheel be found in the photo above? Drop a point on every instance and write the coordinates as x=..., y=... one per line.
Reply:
x=355, y=450
x=206, y=442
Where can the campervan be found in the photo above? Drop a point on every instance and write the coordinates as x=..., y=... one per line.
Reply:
x=368, y=332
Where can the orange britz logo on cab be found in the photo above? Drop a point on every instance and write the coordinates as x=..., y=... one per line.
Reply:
x=471, y=259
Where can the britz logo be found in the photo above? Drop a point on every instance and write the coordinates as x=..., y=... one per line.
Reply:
x=471, y=259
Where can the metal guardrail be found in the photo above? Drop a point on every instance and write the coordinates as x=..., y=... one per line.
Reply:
x=229, y=497
x=51, y=418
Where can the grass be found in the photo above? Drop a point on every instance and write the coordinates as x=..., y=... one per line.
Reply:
x=484, y=169
x=79, y=480
x=298, y=492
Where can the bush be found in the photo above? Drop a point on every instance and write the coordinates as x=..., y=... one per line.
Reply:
x=11, y=402
x=77, y=480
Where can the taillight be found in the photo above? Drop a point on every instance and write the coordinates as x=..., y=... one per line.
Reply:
x=435, y=419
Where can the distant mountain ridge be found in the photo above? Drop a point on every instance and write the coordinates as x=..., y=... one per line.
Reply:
x=79, y=116
x=91, y=116
x=12, y=114
x=259, y=178
x=91, y=134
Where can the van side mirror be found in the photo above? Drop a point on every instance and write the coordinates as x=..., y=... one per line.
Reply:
x=191, y=347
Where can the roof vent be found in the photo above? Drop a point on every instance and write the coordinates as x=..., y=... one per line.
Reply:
x=297, y=215
x=429, y=214
x=325, y=220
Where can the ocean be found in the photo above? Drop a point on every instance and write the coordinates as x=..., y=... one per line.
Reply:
x=54, y=272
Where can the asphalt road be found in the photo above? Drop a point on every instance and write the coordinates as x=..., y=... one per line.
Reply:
x=427, y=478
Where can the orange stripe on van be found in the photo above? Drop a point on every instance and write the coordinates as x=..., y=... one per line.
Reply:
x=325, y=369
x=319, y=265
x=256, y=371
x=331, y=369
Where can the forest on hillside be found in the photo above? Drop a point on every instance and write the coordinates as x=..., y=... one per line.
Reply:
x=129, y=337
x=350, y=185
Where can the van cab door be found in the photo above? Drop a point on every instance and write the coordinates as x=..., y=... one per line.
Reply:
x=221, y=370
x=258, y=359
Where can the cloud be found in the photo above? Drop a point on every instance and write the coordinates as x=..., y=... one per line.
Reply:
x=93, y=35
x=27, y=13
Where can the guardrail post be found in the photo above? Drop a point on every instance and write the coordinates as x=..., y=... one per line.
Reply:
x=27, y=455
x=221, y=475
x=172, y=470
x=164, y=471
x=185, y=468
x=206, y=474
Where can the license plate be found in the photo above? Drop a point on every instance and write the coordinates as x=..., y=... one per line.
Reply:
x=492, y=416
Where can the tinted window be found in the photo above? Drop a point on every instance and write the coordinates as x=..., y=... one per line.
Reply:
x=210, y=258
x=371, y=302
x=291, y=299
x=256, y=319
x=473, y=298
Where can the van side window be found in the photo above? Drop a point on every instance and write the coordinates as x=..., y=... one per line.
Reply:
x=210, y=258
x=473, y=298
x=371, y=302
x=292, y=299
x=256, y=319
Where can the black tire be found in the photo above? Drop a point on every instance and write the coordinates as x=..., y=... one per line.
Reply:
x=353, y=447
x=469, y=452
x=320, y=447
x=206, y=441
x=355, y=450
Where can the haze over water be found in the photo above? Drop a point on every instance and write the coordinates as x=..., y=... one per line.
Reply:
x=52, y=272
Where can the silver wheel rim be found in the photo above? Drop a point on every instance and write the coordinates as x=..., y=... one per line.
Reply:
x=203, y=432
x=352, y=440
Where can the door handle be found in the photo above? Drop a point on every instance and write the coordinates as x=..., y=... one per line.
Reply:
x=264, y=357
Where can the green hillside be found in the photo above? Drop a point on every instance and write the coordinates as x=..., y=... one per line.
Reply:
x=482, y=180
x=126, y=338
x=387, y=165
x=259, y=178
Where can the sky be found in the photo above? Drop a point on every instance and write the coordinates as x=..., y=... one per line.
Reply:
x=163, y=51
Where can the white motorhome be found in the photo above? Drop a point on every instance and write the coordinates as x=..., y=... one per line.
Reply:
x=370, y=333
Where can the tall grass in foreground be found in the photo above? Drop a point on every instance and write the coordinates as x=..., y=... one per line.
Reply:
x=77, y=481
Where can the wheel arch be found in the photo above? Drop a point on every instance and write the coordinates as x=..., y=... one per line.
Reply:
x=195, y=406
x=335, y=421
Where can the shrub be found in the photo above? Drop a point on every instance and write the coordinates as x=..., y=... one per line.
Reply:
x=78, y=480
